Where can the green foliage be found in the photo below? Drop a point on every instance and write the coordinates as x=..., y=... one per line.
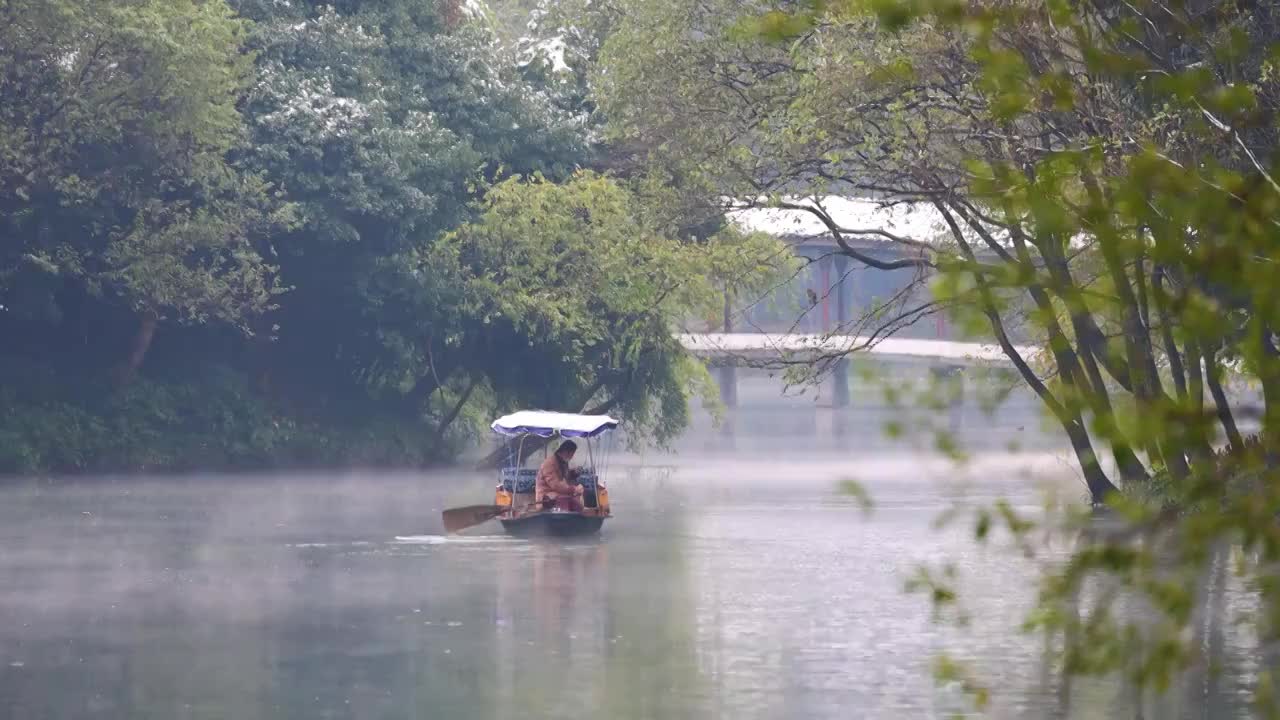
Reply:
x=114, y=139
x=580, y=272
x=858, y=492
x=1106, y=176
x=947, y=670
x=211, y=422
x=383, y=158
x=264, y=187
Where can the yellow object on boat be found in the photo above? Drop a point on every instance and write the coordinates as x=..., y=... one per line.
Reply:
x=502, y=497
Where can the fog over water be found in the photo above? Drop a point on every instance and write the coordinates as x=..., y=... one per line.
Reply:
x=736, y=581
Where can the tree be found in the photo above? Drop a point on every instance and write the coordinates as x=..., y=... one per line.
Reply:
x=579, y=292
x=115, y=131
x=383, y=121
x=278, y=183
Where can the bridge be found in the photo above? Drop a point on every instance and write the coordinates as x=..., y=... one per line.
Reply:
x=803, y=319
x=830, y=289
x=725, y=352
x=764, y=346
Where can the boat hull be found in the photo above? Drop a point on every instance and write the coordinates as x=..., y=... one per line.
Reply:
x=553, y=524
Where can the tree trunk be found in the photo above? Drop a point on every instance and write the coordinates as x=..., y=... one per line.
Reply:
x=1140, y=285
x=1269, y=376
x=1213, y=378
x=1166, y=333
x=1142, y=364
x=1080, y=371
x=1093, y=384
x=1195, y=378
x=1202, y=427
x=1137, y=338
x=1093, y=342
x=1095, y=394
x=1186, y=376
x=138, y=347
x=1095, y=477
x=448, y=419
x=1148, y=388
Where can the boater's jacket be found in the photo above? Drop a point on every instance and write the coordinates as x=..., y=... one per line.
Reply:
x=551, y=481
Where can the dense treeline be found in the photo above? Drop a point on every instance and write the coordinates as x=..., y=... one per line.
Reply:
x=239, y=234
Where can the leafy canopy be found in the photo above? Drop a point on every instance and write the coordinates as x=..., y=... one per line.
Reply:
x=581, y=272
x=114, y=140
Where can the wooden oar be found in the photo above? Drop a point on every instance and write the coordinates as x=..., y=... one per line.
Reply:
x=461, y=518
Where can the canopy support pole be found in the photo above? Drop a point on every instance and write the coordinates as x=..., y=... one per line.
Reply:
x=591, y=458
x=515, y=479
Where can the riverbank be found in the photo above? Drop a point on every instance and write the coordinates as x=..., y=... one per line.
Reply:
x=214, y=421
x=1229, y=473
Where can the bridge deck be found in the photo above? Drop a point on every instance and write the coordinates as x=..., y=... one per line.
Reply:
x=757, y=344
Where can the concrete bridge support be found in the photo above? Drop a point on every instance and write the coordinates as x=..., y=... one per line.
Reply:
x=727, y=378
x=833, y=389
x=840, y=382
x=727, y=374
x=953, y=374
x=830, y=423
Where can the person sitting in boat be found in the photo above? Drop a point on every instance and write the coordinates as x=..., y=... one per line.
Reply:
x=554, y=486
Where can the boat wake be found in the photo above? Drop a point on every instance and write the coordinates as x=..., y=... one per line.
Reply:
x=454, y=540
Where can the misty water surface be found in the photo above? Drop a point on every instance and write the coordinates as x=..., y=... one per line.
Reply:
x=735, y=582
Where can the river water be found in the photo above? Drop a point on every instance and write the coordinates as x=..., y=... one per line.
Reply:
x=736, y=581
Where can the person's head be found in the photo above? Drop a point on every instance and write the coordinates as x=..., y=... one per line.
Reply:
x=566, y=450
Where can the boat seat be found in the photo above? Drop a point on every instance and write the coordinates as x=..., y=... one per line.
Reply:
x=524, y=481
x=519, y=480
x=588, y=480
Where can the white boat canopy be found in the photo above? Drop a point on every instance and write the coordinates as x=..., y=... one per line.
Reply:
x=546, y=424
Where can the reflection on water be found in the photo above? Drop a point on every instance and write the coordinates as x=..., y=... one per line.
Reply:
x=767, y=418
x=729, y=586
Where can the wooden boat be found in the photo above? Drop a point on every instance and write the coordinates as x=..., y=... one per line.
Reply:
x=515, y=492
x=553, y=524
